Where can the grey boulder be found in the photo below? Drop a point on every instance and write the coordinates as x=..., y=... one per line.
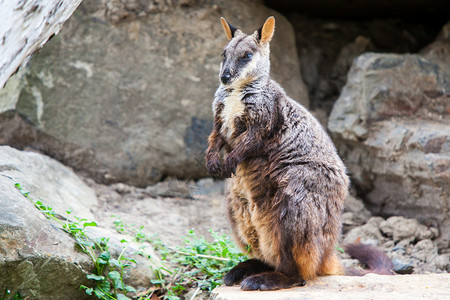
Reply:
x=391, y=125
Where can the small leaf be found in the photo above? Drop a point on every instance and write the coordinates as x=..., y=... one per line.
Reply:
x=118, y=284
x=95, y=277
x=84, y=242
x=93, y=224
x=130, y=289
x=122, y=297
x=115, y=262
x=114, y=275
x=129, y=259
x=103, y=241
x=17, y=296
x=178, y=288
x=105, y=255
x=340, y=249
x=102, y=262
x=157, y=281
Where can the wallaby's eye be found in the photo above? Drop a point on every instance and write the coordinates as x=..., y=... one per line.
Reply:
x=223, y=55
x=247, y=56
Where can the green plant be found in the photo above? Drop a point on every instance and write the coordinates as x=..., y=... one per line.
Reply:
x=16, y=296
x=109, y=271
x=198, y=263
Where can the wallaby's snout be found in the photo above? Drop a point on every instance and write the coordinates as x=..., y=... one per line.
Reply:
x=226, y=76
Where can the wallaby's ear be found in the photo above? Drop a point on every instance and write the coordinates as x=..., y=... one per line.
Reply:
x=229, y=29
x=265, y=33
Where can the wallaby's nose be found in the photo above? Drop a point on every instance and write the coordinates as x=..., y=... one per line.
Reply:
x=225, y=78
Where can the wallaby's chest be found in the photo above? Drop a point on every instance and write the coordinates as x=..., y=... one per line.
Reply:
x=233, y=109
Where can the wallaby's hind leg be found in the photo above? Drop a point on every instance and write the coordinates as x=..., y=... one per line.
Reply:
x=268, y=281
x=245, y=269
x=331, y=265
x=284, y=276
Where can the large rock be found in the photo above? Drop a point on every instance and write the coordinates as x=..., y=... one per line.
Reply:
x=26, y=26
x=327, y=47
x=48, y=180
x=130, y=93
x=391, y=124
x=37, y=258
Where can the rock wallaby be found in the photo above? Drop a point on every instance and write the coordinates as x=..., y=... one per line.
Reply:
x=288, y=185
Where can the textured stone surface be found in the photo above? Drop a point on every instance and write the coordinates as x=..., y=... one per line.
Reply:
x=439, y=51
x=400, y=228
x=37, y=258
x=166, y=209
x=327, y=48
x=371, y=286
x=391, y=125
x=47, y=179
x=26, y=26
x=130, y=93
x=355, y=213
x=368, y=233
x=411, y=246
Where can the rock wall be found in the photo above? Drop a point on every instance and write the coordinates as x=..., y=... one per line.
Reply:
x=327, y=48
x=127, y=86
x=391, y=124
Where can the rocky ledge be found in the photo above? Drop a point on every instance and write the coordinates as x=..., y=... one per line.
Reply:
x=370, y=286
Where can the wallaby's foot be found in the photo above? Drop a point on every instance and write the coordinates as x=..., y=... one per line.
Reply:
x=269, y=281
x=245, y=269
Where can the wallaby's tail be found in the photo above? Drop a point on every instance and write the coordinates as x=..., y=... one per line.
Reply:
x=375, y=259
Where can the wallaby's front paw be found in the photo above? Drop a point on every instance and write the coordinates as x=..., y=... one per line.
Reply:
x=230, y=165
x=213, y=164
x=226, y=173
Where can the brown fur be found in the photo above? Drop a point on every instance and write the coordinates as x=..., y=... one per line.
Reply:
x=288, y=185
x=374, y=259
